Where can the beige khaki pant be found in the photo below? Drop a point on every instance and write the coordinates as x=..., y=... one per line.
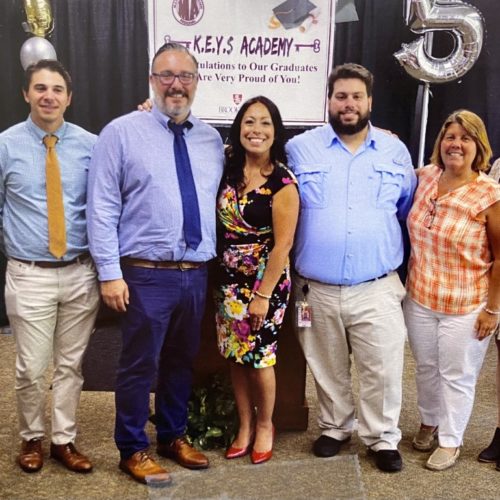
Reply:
x=364, y=321
x=52, y=314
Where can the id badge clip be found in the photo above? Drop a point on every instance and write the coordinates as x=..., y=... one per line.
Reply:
x=303, y=310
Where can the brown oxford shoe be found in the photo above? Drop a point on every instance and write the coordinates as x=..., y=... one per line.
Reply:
x=31, y=457
x=70, y=457
x=183, y=453
x=144, y=469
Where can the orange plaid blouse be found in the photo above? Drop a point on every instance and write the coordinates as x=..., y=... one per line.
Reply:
x=450, y=258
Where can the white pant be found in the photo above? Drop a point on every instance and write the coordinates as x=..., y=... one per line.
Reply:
x=367, y=320
x=449, y=359
x=52, y=314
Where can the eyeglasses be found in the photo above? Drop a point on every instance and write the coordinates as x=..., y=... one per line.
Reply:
x=431, y=213
x=167, y=78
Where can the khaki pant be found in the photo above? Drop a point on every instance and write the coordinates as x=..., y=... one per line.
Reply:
x=52, y=314
x=364, y=320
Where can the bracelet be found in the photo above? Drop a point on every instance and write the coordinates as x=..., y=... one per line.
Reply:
x=262, y=295
x=485, y=309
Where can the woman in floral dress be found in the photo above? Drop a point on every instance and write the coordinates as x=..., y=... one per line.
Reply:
x=257, y=210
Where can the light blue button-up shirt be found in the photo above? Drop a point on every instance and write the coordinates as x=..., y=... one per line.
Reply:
x=23, y=198
x=351, y=205
x=135, y=206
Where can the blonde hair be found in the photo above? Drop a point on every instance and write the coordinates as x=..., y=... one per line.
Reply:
x=474, y=126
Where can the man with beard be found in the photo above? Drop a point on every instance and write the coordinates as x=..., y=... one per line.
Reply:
x=356, y=185
x=153, y=182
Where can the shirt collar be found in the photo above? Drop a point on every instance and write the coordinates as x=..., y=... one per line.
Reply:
x=331, y=137
x=371, y=140
x=164, y=119
x=40, y=133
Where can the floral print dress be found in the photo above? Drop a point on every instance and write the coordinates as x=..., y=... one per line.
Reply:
x=245, y=239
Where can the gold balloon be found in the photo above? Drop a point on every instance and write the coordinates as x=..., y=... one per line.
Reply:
x=39, y=17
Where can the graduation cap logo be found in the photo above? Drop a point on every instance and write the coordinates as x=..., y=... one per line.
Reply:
x=292, y=13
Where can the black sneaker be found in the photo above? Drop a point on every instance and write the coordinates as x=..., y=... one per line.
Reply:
x=492, y=453
x=326, y=446
x=388, y=460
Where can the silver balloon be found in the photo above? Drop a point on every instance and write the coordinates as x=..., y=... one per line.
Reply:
x=36, y=48
x=463, y=21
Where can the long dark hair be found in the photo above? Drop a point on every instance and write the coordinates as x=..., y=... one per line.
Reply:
x=235, y=153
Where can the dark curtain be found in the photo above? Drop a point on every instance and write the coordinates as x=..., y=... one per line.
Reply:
x=102, y=43
x=379, y=33
x=12, y=106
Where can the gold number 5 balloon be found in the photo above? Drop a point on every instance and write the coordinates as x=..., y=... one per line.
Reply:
x=463, y=21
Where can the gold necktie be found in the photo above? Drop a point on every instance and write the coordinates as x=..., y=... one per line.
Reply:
x=55, y=207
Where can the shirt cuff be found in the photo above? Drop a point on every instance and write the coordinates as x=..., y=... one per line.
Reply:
x=108, y=272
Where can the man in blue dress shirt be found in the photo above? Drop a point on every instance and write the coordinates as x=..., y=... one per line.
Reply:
x=51, y=296
x=150, y=265
x=356, y=185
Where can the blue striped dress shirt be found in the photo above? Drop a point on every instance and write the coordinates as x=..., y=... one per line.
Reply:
x=135, y=206
x=23, y=199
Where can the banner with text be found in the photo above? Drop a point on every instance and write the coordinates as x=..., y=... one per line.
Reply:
x=280, y=49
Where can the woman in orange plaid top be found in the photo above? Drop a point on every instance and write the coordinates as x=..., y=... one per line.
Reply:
x=453, y=301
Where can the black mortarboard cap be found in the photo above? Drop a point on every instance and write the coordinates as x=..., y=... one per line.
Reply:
x=291, y=13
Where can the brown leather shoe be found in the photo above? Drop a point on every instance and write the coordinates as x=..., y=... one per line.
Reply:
x=183, y=453
x=144, y=469
x=72, y=459
x=31, y=457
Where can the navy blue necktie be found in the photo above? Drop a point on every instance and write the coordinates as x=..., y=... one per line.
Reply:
x=190, y=208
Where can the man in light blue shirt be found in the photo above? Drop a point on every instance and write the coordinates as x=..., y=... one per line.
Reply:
x=51, y=300
x=151, y=241
x=356, y=185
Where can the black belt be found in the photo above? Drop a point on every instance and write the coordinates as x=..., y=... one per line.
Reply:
x=334, y=284
x=373, y=279
x=50, y=264
x=182, y=265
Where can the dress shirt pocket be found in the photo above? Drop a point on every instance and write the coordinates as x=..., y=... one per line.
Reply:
x=311, y=179
x=391, y=182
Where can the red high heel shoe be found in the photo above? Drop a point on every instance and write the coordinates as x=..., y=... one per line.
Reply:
x=259, y=457
x=233, y=452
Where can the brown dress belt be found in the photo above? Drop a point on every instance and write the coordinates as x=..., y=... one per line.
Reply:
x=182, y=265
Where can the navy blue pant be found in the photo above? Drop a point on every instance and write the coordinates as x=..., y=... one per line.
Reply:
x=160, y=338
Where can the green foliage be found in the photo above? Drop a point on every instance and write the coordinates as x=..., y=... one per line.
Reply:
x=212, y=417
